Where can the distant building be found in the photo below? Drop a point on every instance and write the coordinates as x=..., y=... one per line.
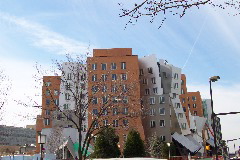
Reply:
x=16, y=136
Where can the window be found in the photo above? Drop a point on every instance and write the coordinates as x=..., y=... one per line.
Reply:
x=194, y=105
x=182, y=82
x=125, y=137
x=188, y=98
x=144, y=81
x=47, y=112
x=83, y=77
x=68, y=86
x=124, y=88
x=183, y=126
x=114, y=88
x=175, y=85
x=104, y=88
x=163, y=138
x=162, y=111
x=177, y=105
x=94, y=89
x=115, y=99
x=125, y=99
x=94, y=78
x=125, y=111
x=153, y=80
x=104, y=99
x=48, y=101
x=152, y=124
x=105, y=122
x=195, y=113
x=104, y=77
x=95, y=125
x=162, y=99
x=95, y=112
x=124, y=77
x=84, y=128
x=152, y=112
x=59, y=116
x=115, y=111
x=47, y=84
x=152, y=100
x=105, y=112
x=115, y=123
x=69, y=76
x=174, y=95
x=194, y=98
x=175, y=76
x=66, y=106
x=56, y=92
x=67, y=96
x=94, y=100
x=150, y=70
x=125, y=122
x=180, y=115
x=184, y=109
x=94, y=66
x=56, y=102
x=141, y=72
x=189, y=106
x=69, y=116
x=164, y=75
x=47, y=121
x=155, y=90
x=123, y=65
x=113, y=66
x=47, y=92
x=147, y=91
x=162, y=123
x=183, y=100
x=104, y=66
x=182, y=91
x=114, y=77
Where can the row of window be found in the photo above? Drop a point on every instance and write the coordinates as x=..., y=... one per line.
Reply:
x=114, y=88
x=115, y=123
x=55, y=92
x=115, y=111
x=153, y=111
x=194, y=98
x=154, y=90
x=115, y=99
x=153, y=101
x=105, y=77
x=153, y=123
x=113, y=66
x=56, y=102
x=145, y=80
x=82, y=77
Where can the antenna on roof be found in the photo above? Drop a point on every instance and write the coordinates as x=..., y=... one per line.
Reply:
x=165, y=62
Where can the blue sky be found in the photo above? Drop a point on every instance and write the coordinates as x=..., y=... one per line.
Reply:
x=38, y=31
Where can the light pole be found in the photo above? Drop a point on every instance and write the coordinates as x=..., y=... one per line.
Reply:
x=213, y=79
x=169, y=150
x=41, y=141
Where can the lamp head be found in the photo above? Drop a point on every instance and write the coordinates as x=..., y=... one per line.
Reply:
x=214, y=78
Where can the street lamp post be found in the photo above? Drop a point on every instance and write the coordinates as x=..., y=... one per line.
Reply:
x=169, y=153
x=41, y=141
x=213, y=79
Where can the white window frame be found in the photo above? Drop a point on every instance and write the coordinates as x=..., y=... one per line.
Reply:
x=147, y=91
x=141, y=72
x=104, y=77
x=152, y=112
x=152, y=100
x=144, y=81
x=164, y=110
x=160, y=124
x=123, y=65
x=153, y=79
x=94, y=78
x=155, y=90
x=94, y=66
x=115, y=123
x=124, y=76
x=194, y=105
x=102, y=66
x=161, y=99
x=46, y=121
x=152, y=124
x=113, y=66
